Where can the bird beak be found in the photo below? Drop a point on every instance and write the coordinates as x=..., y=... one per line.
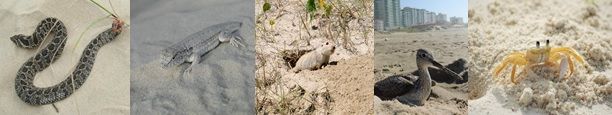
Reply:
x=450, y=72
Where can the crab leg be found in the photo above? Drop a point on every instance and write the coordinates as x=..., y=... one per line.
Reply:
x=570, y=52
x=513, y=71
x=514, y=58
x=566, y=60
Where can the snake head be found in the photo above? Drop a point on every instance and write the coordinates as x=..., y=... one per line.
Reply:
x=17, y=40
x=117, y=25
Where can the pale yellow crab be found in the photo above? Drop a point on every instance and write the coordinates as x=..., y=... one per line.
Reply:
x=547, y=56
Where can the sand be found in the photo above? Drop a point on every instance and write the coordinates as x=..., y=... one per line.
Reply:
x=223, y=83
x=395, y=53
x=343, y=87
x=498, y=28
x=106, y=89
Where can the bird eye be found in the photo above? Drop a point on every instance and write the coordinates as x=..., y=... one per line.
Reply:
x=423, y=55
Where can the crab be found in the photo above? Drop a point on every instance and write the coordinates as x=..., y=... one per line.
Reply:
x=557, y=57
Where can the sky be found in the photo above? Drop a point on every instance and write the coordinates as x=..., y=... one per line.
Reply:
x=449, y=7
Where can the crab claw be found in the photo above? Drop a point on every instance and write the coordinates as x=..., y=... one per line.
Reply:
x=563, y=67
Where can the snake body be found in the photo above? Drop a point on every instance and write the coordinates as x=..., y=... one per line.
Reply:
x=24, y=82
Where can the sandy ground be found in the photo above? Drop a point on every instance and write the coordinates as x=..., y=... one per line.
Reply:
x=344, y=87
x=106, y=89
x=396, y=52
x=500, y=27
x=223, y=83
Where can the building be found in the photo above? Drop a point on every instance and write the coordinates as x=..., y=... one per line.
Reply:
x=420, y=16
x=427, y=17
x=409, y=17
x=432, y=18
x=456, y=20
x=379, y=25
x=389, y=12
x=397, y=13
x=441, y=18
x=389, y=16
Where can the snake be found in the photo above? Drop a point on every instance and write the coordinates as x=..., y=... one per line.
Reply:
x=24, y=82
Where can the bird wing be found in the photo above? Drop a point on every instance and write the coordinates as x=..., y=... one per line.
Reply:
x=458, y=66
x=393, y=86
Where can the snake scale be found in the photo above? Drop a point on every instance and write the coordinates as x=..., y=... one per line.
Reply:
x=24, y=82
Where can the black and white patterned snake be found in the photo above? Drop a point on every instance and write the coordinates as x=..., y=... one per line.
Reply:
x=24, y=82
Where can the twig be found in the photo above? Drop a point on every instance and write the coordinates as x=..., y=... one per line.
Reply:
x=103, y=8
x=56, y=110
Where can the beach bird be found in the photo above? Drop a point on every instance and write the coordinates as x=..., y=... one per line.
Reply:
x=410, y=89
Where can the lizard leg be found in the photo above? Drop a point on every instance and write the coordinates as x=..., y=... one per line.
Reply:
x=194, y=59
x=236, y=40
x=233, y=38
x=197, y=54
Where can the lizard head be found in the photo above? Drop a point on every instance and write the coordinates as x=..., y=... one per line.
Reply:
x=225, y=36
x=170, y=57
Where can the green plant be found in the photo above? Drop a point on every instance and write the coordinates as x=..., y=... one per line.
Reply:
x=266, y=6
x=312, y=6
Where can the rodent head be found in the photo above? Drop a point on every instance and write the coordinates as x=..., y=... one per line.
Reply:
x=328, y=49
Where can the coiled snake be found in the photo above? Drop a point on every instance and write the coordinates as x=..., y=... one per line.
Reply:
x=24, y=83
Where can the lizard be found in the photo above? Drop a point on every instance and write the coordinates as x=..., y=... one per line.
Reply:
x=198, y=44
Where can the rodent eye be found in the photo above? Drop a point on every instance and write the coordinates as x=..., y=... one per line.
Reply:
x=547, y=42
x=538, y=44
x=326, y=43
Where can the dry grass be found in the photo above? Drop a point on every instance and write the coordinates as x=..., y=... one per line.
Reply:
x=285, y=32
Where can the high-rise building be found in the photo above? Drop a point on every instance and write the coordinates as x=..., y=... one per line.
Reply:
x=414, y=16
x=388, y=16
x=431, y=17
x=379, y=15
x=379, y=25
x=456, y=20
x=426, y=17
x=420, y=16
x=389, y=12
x=407, y=17
x=397, y=13
x=441, y=18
